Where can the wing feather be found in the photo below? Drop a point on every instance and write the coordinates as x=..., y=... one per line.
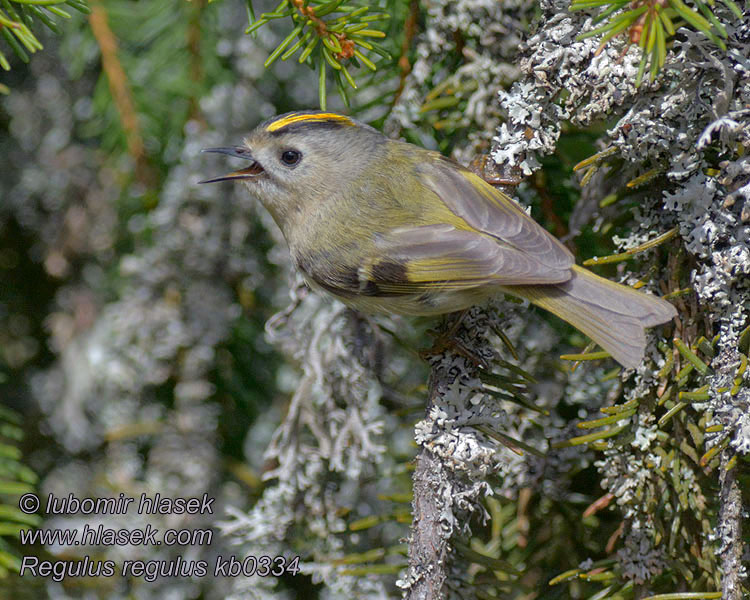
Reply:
x=441, y=256
x=491, y=212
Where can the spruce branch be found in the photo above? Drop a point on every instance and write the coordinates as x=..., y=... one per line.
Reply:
x=434, y=486
x=651, y=24
x=327, y=36
x=119, y=87
x=15, y=479
x=19, y=17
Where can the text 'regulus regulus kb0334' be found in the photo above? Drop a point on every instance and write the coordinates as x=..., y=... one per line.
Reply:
x=386, y=226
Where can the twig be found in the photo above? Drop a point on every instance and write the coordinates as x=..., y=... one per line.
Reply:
x=447, y=483
x=410, y=28
x=347, y=46
x=196, y=64
x=730, y=526
x=460, y=445
x=118, y=86
x=428, y=543
x=428, y=547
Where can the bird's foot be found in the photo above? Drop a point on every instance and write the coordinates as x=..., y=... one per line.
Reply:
x=448, y=341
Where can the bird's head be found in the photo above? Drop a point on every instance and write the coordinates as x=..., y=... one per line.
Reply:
x=302, y=156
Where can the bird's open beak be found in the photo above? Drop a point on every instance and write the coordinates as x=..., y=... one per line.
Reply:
x=240, y=152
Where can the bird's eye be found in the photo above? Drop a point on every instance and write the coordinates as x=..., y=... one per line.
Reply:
x=291, y=157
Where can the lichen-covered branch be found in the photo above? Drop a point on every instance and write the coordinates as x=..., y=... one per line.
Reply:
x=323, y=453
x=465, y=437
x=730, y=530
x=429, y=545
x=437, y=485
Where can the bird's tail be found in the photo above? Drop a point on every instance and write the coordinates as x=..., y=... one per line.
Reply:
x=611, y=314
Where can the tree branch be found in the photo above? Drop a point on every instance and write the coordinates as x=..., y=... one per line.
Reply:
x=455, y=457
x=730, y=526
x=428, y=543
x=119, y=87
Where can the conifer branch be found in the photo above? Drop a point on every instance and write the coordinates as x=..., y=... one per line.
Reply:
x=428, y=542
x=730, y=518
x=118, y=86
x=17, y=18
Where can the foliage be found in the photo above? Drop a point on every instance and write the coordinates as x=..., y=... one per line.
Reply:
x=651, y=24
x=18, y=17
x=326, y=41
x=147, y=357
x=15, y=479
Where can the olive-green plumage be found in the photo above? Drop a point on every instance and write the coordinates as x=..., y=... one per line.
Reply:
x=390, y=227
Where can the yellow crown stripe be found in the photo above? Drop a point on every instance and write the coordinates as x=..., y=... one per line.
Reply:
x=317, y=117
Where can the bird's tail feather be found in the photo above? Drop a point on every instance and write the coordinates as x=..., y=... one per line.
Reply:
x=611, y=314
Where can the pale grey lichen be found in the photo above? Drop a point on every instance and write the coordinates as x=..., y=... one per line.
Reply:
x=640, y=560
x=330, y=439
x=122, y=348
x=178, y=304
x=487, y=34
x=552, y=60
x=697, y=105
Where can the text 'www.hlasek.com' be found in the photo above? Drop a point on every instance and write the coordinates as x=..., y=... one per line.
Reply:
x=91, y=531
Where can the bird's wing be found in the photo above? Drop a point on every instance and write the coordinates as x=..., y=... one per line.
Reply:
x=499, y=244
x=492, y=213
x=410, y=260
x=425, y=259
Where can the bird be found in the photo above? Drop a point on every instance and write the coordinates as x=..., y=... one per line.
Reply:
x=389, y=227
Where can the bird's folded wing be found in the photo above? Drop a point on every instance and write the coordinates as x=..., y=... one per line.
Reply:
x=419, y=259
x=491, y=212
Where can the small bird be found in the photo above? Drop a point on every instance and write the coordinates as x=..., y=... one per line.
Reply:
x=387, y=226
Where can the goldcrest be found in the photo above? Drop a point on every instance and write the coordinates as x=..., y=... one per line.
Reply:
x=386, y=226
